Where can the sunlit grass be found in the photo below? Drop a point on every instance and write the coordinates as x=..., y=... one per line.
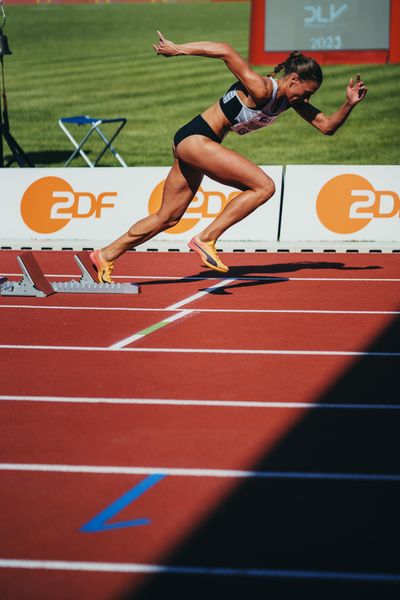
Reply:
x=98, y=60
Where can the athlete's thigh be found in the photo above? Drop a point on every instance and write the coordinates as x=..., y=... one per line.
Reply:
x=221, y=164
x=180, y=187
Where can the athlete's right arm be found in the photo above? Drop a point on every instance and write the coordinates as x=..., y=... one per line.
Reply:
x=259, y=88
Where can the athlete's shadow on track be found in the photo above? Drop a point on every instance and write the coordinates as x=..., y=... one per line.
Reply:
x=255, y=275
x=292, y=267
x=258, y=274
x=212, y=280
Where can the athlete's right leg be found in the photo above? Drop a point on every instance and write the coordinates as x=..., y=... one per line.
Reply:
x=180, y=188
x=230, y=168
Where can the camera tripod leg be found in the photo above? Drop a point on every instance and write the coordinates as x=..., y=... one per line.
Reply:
x=17, y=154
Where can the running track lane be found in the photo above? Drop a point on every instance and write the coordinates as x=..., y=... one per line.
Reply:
x=252, y=331
x=291, y=493
x=272, y=378
x=57, y=505
x=317, y=280
x=201, y=437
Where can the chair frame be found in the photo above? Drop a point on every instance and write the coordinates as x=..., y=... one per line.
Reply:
x=94, y=127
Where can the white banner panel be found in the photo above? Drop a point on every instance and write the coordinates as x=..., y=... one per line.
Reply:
x=341, y=203
x=100, y=204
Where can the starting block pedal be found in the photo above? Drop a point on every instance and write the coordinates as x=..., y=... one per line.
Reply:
x=35, y=283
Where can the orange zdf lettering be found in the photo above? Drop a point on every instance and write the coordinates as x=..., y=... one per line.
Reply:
x=348, y=203
x=80, y=205
x=50, y=203
x=378, y=205
x=205, y=205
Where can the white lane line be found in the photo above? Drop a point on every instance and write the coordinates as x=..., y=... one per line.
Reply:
x=206, y=310
x=208, y=403
x=238, y=351
x=277, y=277
x=200, y=294
x=158, y=325
x=107, y=567
x=187, y=472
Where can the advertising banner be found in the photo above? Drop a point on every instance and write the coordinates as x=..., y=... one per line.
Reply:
x=341, y=203
x=95, y=206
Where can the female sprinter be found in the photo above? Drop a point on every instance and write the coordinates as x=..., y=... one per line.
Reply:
x=251, y=103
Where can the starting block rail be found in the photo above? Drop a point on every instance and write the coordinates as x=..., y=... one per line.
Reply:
x=35, y=283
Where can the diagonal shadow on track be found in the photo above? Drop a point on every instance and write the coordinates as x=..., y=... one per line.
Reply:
x=313, y=525
x=255, y=273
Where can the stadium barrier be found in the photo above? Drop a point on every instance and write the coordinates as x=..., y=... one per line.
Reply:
x=334, y=203
x=314, y=208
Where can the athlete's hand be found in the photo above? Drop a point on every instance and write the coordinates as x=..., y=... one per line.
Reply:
x=356, y=91
x=165, y=47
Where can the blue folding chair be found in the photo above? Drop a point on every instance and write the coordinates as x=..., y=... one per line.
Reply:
x=94, y=126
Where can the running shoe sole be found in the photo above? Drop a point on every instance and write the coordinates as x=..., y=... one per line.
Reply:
x=207, y=259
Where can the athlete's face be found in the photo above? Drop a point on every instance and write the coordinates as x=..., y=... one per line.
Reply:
x=299, y=90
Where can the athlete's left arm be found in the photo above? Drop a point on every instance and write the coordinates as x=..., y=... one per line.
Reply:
x=328, y=124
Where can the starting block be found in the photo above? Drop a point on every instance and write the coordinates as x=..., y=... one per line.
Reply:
x=35, y=283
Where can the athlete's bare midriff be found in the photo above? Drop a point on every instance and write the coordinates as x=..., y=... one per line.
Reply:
x=216, y=118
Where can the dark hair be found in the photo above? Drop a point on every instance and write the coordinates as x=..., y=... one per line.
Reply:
x=306, y=68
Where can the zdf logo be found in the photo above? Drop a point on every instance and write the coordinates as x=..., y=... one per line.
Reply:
x=50, y=203
x=205, y=205
x=348, y=203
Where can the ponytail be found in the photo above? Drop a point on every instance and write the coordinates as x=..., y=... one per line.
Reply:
x=304, y=66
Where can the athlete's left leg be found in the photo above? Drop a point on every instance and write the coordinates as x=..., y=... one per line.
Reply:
x=180, y=188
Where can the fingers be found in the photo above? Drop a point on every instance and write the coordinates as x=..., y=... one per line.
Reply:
x=157, y=46
x=362, y=90
x=162, y=40
x=358, y=86
x=357, y=82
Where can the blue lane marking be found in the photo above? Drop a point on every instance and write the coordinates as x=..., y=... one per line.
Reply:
x=99, y=522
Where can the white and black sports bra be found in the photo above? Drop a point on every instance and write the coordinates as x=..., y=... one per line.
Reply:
x=244, y=119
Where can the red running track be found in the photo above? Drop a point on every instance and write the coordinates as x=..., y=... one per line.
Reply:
x=219, y=393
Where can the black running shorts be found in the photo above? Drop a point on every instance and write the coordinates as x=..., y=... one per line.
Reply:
x=197, y=126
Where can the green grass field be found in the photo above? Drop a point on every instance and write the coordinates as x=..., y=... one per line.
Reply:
x=98, y=60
